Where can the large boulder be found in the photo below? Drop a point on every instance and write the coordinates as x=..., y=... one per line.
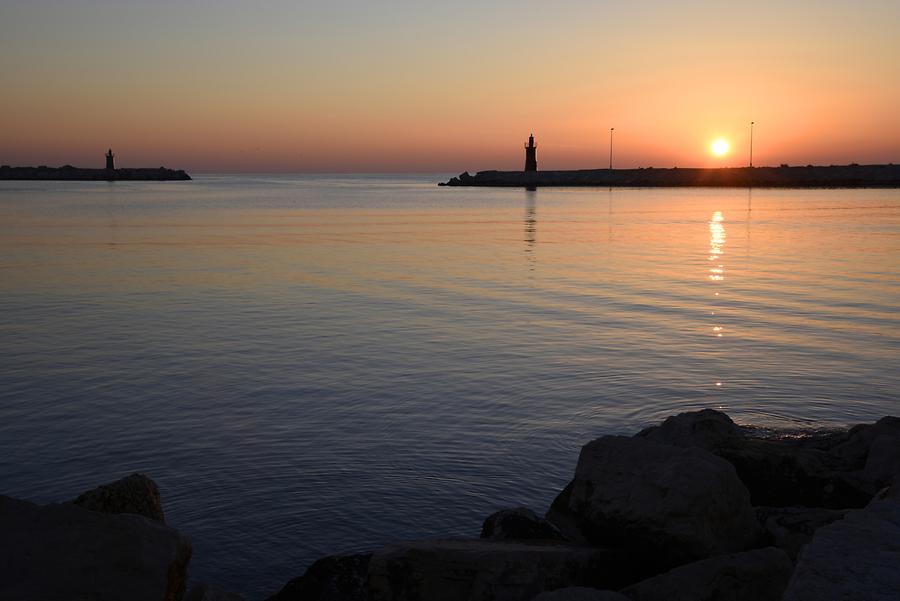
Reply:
x=485, y=570
x=672, y=505
x=519, y=524
x=853, y=558
x=791, y=528
x=580, y=593
x=708, y=429
x=759, y=575
x=136, y=494
x=334, y=578
x=64, y=552
x=788, y=471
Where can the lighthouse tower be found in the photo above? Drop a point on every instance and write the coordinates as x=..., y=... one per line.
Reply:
x=530, y=155
x=110, y=165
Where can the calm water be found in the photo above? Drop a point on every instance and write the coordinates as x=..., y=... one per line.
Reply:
x=314, y=365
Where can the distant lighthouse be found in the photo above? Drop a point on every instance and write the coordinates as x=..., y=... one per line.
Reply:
x=110, y=165
x=530, y=155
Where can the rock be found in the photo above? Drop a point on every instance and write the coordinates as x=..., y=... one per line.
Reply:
x=64, y=552
x=782, y=474
x=791, y=528
x=519, y=524
x=853, y=558
x=560, y=515
x=779, y=473
x=852, y=448
x=466, y=179
x=485, y=570
x=204, y=592
x=580, y=593
x=759, y=575
x=708, y=429
x=672, y=505
x=889, y=492
x=136, y=494
x=883, y=462
x=334, y=578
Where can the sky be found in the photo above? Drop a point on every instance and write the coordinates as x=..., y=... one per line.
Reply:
x=416, y=86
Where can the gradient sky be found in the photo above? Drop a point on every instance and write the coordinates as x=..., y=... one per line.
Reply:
x=353, y=85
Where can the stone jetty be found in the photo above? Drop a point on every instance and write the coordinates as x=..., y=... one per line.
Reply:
x=810, y=176
x=109, y=173
x=76, y=174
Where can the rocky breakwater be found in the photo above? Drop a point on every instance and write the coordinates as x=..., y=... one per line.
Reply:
x=810, y=176
x=695, y=509
x=70, y=173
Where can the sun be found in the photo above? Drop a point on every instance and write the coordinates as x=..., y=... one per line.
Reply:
x=720, y=147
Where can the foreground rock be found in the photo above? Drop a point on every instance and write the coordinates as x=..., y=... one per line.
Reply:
x=136, y=494
x=852, y=448
x=759, y=575
x=791, y=528
x=204, y=592
x=64, y=552
x=854, y=558
x=819, y=471
x=672, y=505
x=519, y=524
x=335, y=578
x=483, y=570
x=707, y=429
x=580, y=593
x=668, y=514
x=883, y=462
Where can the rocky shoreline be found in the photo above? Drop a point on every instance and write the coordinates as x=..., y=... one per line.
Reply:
x=696, y=508
x=810, y=176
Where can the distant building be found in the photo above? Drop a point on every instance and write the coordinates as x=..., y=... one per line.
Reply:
x=531, y=155
x=110, y=165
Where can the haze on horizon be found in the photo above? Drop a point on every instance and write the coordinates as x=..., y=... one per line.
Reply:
x=445, y=87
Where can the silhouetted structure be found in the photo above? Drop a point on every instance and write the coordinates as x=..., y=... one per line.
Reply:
x=531, y=155
x=69, y=173
x=110, y=165
x=833, y=176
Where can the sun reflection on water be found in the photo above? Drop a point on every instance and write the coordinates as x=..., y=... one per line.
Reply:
x=716, y=246
x=716, y=274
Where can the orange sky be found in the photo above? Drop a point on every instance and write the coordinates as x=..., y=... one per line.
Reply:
x=405, y=86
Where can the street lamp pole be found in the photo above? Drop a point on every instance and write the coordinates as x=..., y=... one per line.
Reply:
x=751, y=143
x=610, y=147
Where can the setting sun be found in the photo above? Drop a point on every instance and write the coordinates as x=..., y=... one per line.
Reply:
x=720, y=147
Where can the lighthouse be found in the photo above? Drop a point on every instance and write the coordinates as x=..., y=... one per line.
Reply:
x=530, y=155
x=110, y=165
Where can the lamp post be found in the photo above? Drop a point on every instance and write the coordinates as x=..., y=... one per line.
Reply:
x=751, y=143
x=610, y=147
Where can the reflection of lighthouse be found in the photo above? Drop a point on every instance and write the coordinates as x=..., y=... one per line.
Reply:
x=530, y=155
x=530, y=228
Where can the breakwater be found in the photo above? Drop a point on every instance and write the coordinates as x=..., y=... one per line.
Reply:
x=696, y=507
x=69, y=173
x=834, y=176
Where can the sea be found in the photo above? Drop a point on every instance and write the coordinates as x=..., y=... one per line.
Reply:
x=322, y=364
